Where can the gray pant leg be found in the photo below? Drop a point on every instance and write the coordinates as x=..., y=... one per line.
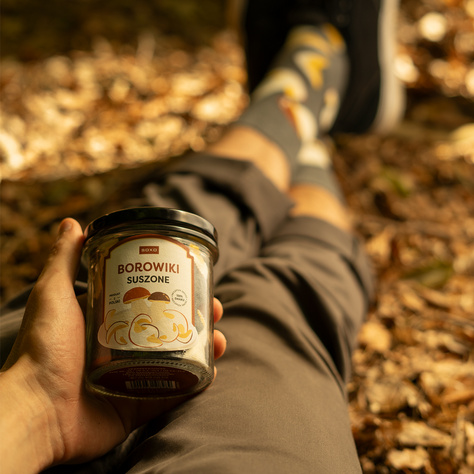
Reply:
x=278, y=404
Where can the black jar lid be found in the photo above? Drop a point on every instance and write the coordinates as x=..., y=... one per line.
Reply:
x=175, y=219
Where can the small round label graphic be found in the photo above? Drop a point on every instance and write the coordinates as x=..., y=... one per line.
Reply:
x=179, y=297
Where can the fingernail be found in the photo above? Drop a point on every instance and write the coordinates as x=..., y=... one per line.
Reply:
x=64, y=226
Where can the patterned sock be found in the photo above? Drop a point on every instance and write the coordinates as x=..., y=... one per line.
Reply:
x=297, y=102
x=315, y=167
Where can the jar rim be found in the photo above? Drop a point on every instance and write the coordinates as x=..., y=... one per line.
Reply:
x=154, y=215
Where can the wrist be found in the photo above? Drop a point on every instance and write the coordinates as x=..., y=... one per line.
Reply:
x=27, y=423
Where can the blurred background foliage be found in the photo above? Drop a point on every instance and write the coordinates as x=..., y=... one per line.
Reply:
x=36, y=30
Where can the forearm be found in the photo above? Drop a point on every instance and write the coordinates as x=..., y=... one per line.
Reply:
x=25, y=423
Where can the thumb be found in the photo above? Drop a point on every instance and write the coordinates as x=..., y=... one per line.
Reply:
x=64, y=258
x=53, y=294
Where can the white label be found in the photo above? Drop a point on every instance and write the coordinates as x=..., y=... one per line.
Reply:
x=148, y=296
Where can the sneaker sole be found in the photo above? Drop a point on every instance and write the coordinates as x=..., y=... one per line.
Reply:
x=392, y=98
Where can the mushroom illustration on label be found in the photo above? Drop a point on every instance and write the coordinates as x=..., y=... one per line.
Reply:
x=144, y=333
x=136, y=298
x=147, y=323
x=116, y=326
x=172, y=324
x=113, y=332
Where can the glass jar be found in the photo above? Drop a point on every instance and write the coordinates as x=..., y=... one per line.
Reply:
x=149, y=320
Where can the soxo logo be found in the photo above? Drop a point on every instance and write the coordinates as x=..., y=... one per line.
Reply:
x=149, y=249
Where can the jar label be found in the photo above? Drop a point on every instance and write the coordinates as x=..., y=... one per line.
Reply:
x=148, y=296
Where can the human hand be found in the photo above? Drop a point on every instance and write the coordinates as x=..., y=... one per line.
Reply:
x=43, y=380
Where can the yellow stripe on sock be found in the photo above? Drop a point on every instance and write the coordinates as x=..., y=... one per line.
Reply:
x=312, y=66
x=308, y=36
x=335, y=38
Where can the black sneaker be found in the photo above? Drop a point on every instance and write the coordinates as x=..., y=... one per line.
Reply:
x=266, y=24
x=374, y=100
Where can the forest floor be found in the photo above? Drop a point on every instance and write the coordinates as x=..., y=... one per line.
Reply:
x=92, y=102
